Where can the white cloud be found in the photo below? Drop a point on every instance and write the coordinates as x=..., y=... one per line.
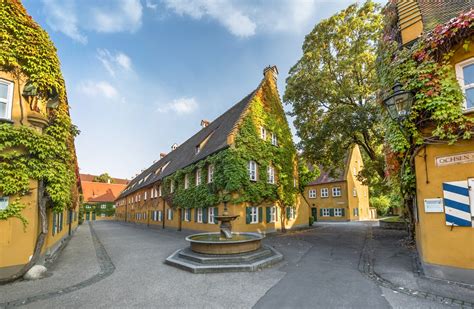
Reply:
x=180, y=106
x=101, y=88
x=61, y=17
x=122, y=15
x=230, y=16
x=106, y=16
x=114, y=62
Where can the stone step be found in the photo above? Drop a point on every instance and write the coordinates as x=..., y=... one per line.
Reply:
x=247, y=257
x=196, y=267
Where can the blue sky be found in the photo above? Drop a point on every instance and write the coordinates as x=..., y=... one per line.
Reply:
x=141, y=75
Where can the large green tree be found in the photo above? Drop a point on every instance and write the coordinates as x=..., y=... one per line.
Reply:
x=332, y=90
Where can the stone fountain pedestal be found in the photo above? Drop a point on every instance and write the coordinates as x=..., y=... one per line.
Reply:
x=224, y=251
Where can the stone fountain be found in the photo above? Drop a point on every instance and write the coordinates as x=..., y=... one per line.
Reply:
x=224, y=251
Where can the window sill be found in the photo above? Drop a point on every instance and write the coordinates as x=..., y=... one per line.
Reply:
x=5, y=120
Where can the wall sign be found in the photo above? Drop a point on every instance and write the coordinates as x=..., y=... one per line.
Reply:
x=434, y=205
x=459, y=158
x=470, y=186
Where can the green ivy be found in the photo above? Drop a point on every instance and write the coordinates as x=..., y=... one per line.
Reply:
x=231, y=180
x=27, y=51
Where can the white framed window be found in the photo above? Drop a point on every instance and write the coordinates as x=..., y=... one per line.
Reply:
x=210, y=173
x=103, y=206
x=356, y=212
x=274, y=139
x=170, y=214
x=172, y=186
x=354, y=171
x=273, y=214
x=102, y=215
x=159, y=190
x=252, y=170
x=187, y=214
x=199, y=215
x=336, y=191
x=338, y=212
x=324, y=192
x=139, y=197
x=292, y=213
x=198, y=177
x=263, y=133
x=160, y=215
x=253, y=214
x=211, y=214
x=145, y=195
x=3, y=202
x=312, y=193
x=271, y=174
x=465, y=76
x=354, y=192
x=6, y=98
x=186, y=181
x=325, y=212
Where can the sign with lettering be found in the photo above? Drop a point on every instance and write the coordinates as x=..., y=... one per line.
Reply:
x=434, y=205
x=460, y=158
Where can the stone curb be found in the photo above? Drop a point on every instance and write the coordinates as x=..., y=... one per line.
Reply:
x=366, y=267
x=106, y=265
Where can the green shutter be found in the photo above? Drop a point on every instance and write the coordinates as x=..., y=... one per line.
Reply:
x=54, y=224
x=288, y=213
x=268, y=212
x=320, y=212
x=204, y=215
x=343, y=211
x=216, y=212
x=331, y=212
x=247, y=215
x=260, y=214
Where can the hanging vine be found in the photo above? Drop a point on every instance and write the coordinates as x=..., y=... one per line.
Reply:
x=26, y=51
x=425, y=68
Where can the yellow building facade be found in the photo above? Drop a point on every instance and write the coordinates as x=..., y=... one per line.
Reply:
x=341, y=198
x=151, y=205
x=18, y=240
x=444, y=173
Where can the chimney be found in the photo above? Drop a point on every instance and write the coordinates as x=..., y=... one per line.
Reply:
x=163, y=154
x=273, y=70
x=204, y=123
x=174, y=146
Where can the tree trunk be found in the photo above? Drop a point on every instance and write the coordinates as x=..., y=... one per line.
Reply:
x=282, y=219
x=42, y=201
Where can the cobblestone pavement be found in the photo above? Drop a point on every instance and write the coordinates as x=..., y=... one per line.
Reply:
x=333, y=265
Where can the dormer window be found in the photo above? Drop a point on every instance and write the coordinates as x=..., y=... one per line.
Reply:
x=6, y=98
x=252, y=170
x=210, y=173
x=159, y=190
x=198, y=149
x=186, y=181
x=274, y=139
x=263, y=133
x=198, y=177
x=465, y=76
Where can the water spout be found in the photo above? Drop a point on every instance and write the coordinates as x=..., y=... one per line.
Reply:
x=226, y=233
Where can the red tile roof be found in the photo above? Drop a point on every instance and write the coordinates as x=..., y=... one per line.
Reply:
x=101, y=192
x=89, y=177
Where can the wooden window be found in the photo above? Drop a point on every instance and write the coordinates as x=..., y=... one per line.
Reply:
x=336, y=191
x=325, y=212
x=210, y=173
x=6, y=98
x=198, y=177
x=212, y=212
x=253, y=215
x=273, y=214
x=324, y=192
x=252, y=170
x=271, y=174
x=312, y=193
x=199, y=215
x=338, y=212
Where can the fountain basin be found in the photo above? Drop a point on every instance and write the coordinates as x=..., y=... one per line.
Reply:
x=213, y=243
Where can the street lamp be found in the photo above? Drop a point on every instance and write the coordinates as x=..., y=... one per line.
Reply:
x=399, y=103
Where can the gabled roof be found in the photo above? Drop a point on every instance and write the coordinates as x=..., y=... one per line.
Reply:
x=216, y=132
x=100, y=192
x=325, y=177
